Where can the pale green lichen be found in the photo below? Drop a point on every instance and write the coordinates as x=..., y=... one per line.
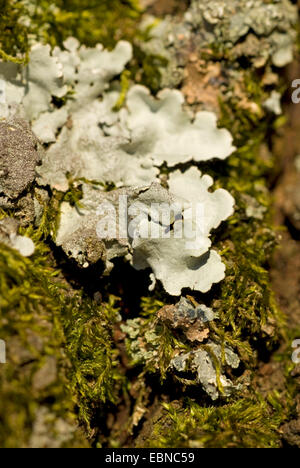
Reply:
x=9, y=236
x=125, y=148
x=248, y=319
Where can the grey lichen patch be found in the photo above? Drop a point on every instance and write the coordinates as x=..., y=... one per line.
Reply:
x=76, y=77
x=9, y=236
x=85, y=152
x=218, y=47
x=77, y=233
x=140, y=348
x=261, y=31
x=125, y=148
x=48, y=75
x=253, y=209
x=193, y=321
x=229, y=23
x=89, y=70
x=168, y=231
x=33, y=85
x=207, y=363
x=44, y=80
x=273, y=103
x=84, y=147
x=191, y=358
x=19, y=157
x=88, y=137
x=183, y=258
x=168, y=132
x=94, y=226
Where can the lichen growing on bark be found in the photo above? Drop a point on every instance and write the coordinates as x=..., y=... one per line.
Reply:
x=67, y=364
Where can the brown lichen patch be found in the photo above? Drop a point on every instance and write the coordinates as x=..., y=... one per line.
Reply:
x=202, y=83
x=189, y=319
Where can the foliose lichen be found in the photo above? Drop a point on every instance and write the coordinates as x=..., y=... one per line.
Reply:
x=243, y=316
x=118, y=147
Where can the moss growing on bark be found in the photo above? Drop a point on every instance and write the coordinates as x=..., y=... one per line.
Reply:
x=250, y=422
x=13, y=34
x=95, y=378
x=91, y=22
x=34, y=378
x=53, y=328
x=60, y=357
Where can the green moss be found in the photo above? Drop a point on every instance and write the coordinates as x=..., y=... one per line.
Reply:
x=250, y=422
x=13, y=35
x=42, y=318
x=146, y=67
x=94, y=375
x=53, y=21
x=91, y=22
x=30, y=308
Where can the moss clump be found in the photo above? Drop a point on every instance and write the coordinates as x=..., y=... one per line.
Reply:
x=247, y=423
x=146, y=68
x=61, y=365
x=13, y=35
x=53, y=21
x=91, y=22
x=35, y=374
x=94, y=376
